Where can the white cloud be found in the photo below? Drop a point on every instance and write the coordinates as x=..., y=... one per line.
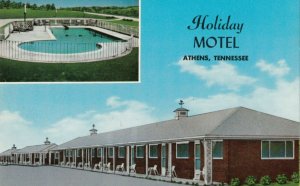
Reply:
x=283, y=100
x=222, y=74
x=278, y=69
x=122, y=114
x=16, y=130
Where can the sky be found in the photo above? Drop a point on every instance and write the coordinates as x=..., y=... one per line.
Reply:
x=268, y=82
x=74, y=3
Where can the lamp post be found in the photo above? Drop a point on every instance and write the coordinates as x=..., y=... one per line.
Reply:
x=25, y=11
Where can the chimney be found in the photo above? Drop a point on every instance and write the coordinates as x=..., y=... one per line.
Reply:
x=93, y=131
x=14, y=147
x=181, y=112
x=47, y=142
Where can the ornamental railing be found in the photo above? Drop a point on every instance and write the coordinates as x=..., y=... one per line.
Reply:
x=121, y=28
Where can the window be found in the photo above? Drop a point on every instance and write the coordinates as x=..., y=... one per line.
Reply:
x=67, y=153
x=36, y=155
x=182, y=150
x=56, y=155
x=182, y=113
x=110, y=152
x=99, y=152
x=218, y=150
x=277, y=149
x=197, y=156
x=79, y=151
x=140, y=151
x=153, y=151
x=121, y=151
x=70, y=153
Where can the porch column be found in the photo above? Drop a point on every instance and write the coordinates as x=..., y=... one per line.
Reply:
x=41, y=158
x=169, y=159
x=49, y=158
x=127, y=159
x=207, y=161
x=58, y=158
x=44, y=158
x=82, y=160
x=102, y=155
x=75, y=156
x=114, y=159
x=91, y=157
x=87, y=155
x=105, y=155
x=146, y=156
x=64, y=156
x=69, y=157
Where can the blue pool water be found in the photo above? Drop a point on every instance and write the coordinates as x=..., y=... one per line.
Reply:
x=69, y=41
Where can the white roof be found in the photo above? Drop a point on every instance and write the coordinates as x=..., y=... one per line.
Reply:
x=234, y=123
x=8, y=152
x=36, y=148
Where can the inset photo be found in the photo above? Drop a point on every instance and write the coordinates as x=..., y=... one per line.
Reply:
x=65, y=41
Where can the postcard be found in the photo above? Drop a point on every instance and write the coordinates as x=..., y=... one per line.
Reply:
x=156, y=93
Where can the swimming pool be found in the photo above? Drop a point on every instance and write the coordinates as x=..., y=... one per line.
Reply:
x=70, y=41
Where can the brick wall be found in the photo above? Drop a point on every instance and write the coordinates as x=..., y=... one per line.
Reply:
x=184, y=167
x=244, y=159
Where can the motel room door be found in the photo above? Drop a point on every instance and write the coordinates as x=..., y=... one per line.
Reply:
x=197, y=160
x=163, y=159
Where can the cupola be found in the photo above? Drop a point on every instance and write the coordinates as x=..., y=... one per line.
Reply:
x=93, y=131
x=47, y=142
x=14, y=147
x=181, y=112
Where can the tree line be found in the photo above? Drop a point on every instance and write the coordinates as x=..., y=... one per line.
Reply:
x=7, y=4
x=130, y=11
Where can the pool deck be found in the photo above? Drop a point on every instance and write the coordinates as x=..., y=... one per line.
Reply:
x=39, y=33
x=42, y=33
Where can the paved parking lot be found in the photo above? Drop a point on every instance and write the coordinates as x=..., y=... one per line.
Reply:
x=56, y=176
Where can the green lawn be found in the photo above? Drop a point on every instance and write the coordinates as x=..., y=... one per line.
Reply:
x=120, y=69
x=123, y=22
x=19, y=13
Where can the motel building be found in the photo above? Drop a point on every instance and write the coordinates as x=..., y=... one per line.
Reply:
x=214, y=147
x=8, y=157
x=33, y=155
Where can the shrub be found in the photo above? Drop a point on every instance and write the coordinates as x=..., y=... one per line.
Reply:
x=281, y=179
x=235, y=182
x=127, y=19
x=295, y=177
x=265, y=180
x=250, y=180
